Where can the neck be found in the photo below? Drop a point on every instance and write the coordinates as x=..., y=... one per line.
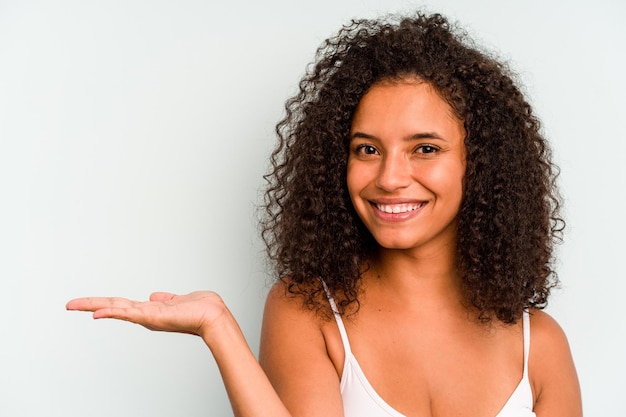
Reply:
x=425, y=278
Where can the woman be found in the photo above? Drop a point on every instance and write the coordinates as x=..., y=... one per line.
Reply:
x=411, y=215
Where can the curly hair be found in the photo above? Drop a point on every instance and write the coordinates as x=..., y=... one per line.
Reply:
x=508, y=222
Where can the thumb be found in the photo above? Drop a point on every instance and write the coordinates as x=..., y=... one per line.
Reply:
x=161, y=296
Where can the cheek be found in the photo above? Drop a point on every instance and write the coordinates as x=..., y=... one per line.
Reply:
x=446, y=179
x=355, y=175
x=349, y=178
x=358, y=179
x=353, y=180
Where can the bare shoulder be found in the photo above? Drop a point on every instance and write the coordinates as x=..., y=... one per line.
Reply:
x=551, y=369
x=285, y=311
x=286, y=305
x=294, y=356
x=546, y=331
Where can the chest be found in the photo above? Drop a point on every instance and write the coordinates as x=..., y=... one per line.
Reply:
x=434, y=367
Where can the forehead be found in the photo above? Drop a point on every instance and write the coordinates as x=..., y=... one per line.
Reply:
x=405, y=106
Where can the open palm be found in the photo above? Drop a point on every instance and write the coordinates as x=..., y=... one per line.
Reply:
x=194, y=313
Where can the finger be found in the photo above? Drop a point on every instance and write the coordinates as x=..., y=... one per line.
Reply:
x=161, y=296
x=127, y=314
x=147, y=314
x=124, y=309
x=97, y=303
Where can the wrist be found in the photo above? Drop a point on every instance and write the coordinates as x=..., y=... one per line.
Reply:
x=221, y=331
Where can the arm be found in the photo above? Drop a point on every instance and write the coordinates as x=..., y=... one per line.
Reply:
x=551, y=369
x=203, y=314
x=295, y=356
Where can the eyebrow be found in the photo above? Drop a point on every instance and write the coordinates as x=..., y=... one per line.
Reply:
x=422, y=135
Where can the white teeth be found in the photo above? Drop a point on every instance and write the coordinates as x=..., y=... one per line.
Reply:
x=398, y=208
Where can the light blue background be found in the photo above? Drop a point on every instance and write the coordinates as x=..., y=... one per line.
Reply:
x=133, y=138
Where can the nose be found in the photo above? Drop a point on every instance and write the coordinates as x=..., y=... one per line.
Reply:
x=394, y=172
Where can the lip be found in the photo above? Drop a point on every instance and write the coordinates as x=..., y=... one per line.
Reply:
x=397, y=210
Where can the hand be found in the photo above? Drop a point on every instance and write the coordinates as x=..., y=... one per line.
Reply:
x=194, y=313
x=202, y=313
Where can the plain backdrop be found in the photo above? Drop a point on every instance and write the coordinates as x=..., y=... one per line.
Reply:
x=133, y=140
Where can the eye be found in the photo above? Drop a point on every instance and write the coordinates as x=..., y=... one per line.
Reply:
x=366, y=150
x=426, y=148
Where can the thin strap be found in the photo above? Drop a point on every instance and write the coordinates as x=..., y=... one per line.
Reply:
x=342, y=329
x=526, y=329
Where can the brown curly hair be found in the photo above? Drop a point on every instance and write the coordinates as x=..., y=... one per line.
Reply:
x=508, y=222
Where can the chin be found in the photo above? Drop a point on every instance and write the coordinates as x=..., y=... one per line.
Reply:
x=397, y=244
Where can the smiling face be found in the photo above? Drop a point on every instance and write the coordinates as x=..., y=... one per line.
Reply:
x=406, y=165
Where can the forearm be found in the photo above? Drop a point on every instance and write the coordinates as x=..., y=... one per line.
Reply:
x=249, y=390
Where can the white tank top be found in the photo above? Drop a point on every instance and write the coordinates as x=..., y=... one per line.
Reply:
x=361, y=400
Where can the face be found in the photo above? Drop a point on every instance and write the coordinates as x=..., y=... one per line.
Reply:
x=406, y=165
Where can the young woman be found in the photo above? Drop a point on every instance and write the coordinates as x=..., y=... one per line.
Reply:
x=411, y=215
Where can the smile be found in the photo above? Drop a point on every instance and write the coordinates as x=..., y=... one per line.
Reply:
x=398, y=208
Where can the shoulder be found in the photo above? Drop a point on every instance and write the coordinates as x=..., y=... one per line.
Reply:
x=551, y=368
x=286, y=314
x=290, y=330
x=295, y=357
x=546, y=332
x=282, y=304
